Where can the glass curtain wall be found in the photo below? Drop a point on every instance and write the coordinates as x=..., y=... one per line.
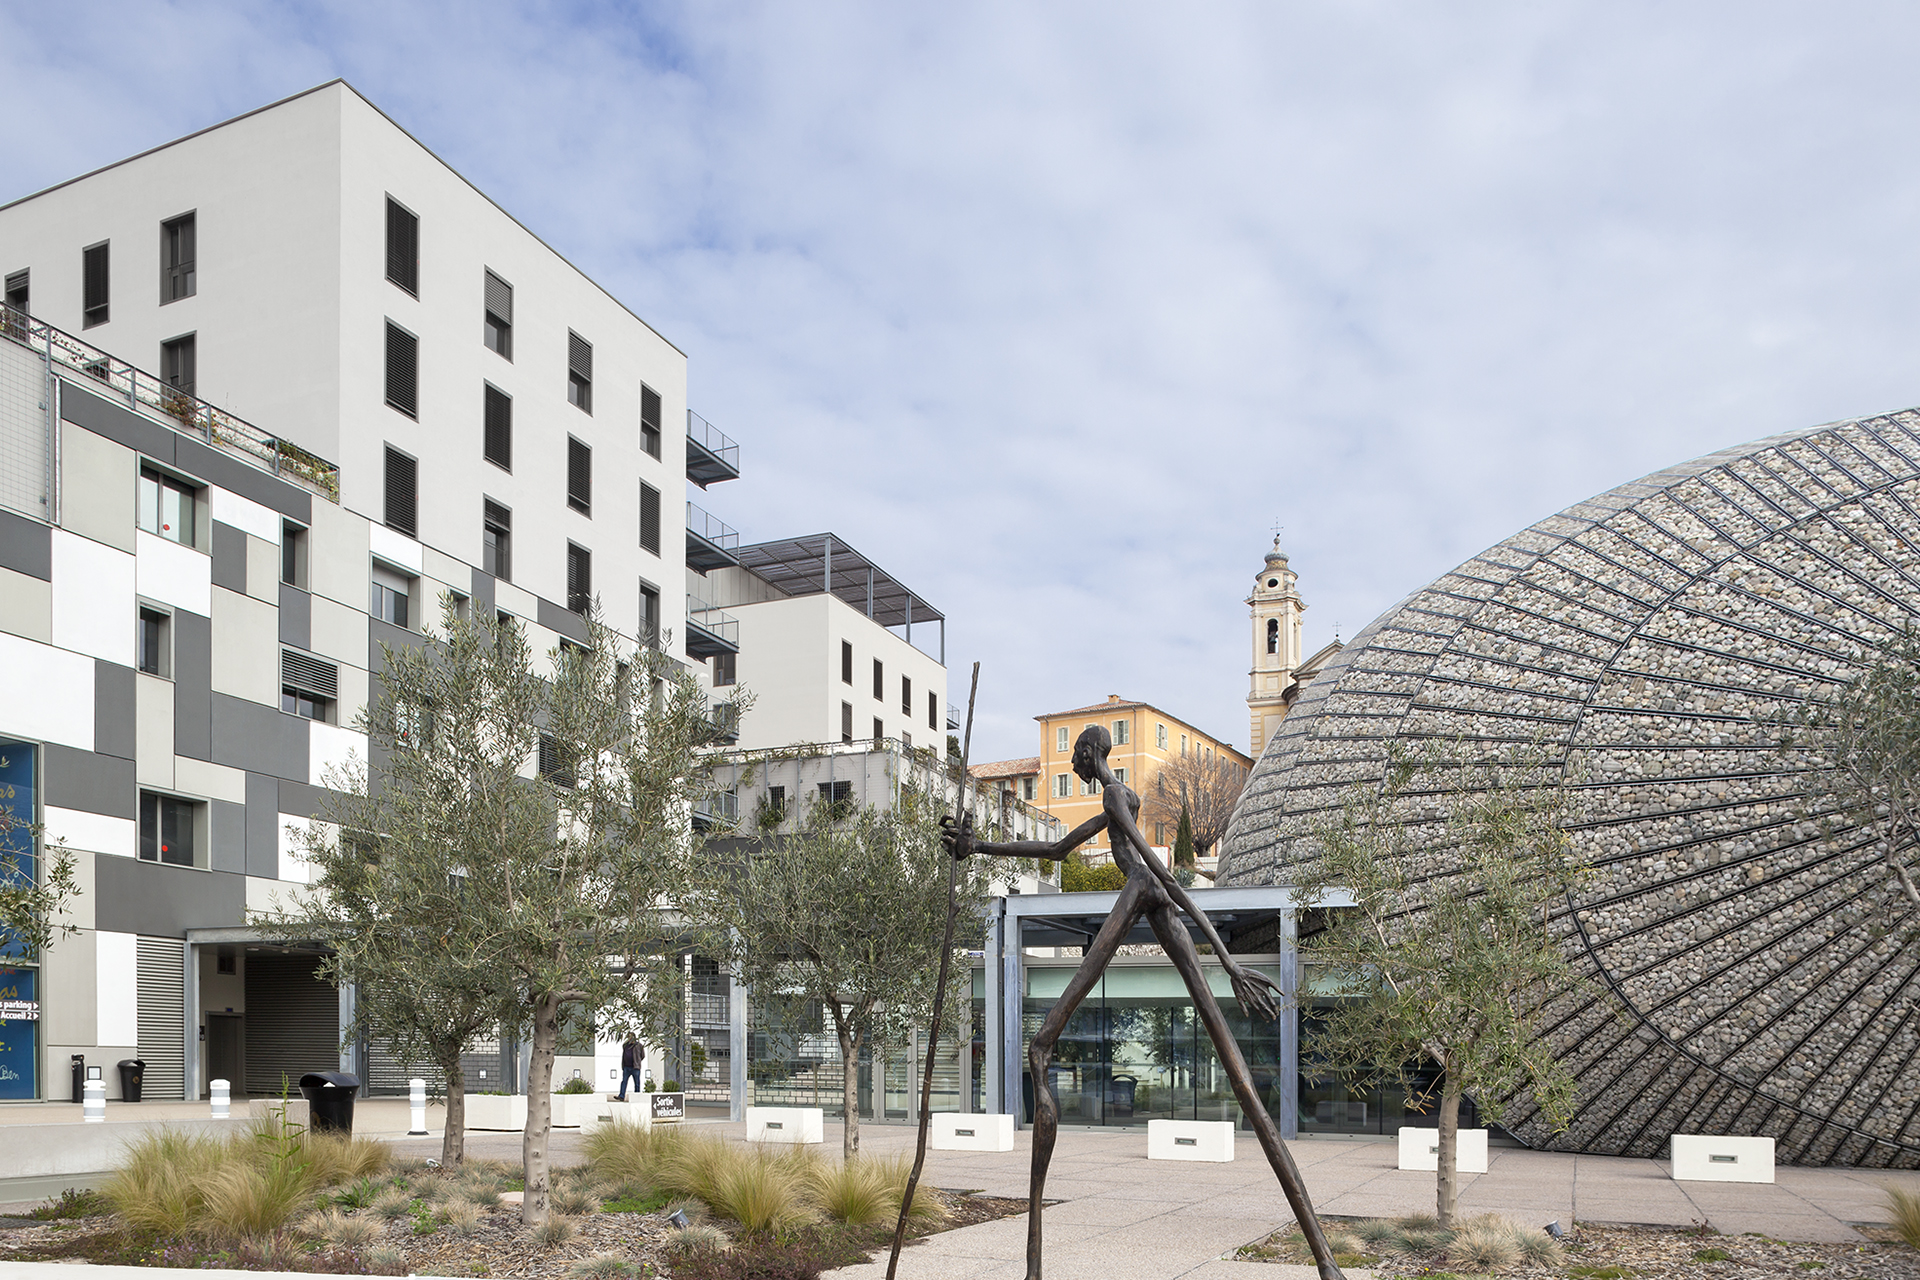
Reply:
x=1329, y=1104
x=19, y=981
x=1135, y=1051
x=794, y=1061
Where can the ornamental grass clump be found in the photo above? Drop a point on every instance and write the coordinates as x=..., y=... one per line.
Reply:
x=1903, y=1208
x=602, y=1266
x=392, y=1204
x=1484, y=1244
x=556, y=1230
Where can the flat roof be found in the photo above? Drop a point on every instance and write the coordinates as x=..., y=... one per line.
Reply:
x=820, y=562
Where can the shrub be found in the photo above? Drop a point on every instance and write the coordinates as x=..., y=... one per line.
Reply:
x=73, y=1202
x=575, y=1086
x=1712, y=1255
x=359, y=1195
x=669, y=1086
x=556, y=1230
x=1903, y=1208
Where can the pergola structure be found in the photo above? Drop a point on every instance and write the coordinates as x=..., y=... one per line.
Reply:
x=823, y=562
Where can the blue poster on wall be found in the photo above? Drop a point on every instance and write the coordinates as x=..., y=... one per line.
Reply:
x=19, y=988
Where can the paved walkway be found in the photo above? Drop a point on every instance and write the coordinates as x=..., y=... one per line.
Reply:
x=1124, y=1218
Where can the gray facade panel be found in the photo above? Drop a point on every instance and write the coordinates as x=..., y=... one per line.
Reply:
x=26, y=546
x=113, y=709
x=229, y=823
x=192, y=685
x=263, y=825
x=249, y=736
x=116, y=422
x=164, y=902
x=384, y=633
x=483, y=597
x=296, y=617
x=565, y=621
x=298, y=800
x=229, y=557
x=89, y=782
x=238, y=477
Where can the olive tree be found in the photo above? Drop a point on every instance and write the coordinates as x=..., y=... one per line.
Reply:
x=35, y=884
x=1447, y=957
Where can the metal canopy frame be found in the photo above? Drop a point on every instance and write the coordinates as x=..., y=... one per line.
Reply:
x=818, y=563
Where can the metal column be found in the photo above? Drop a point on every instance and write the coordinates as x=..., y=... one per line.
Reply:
x=990, y=960
x=736, y=1049
x=190, y=1020
x=1289, y=1025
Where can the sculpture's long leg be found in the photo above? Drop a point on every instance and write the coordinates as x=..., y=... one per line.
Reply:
x=1046, y=1111
x=1179, y=946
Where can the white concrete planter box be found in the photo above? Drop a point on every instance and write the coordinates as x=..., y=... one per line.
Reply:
x=288, y=1112
x=1210, y=1140
x=953, y=1131
x=1704, y=1158
x=577, y=1110
x=785, y=1124
x=1420, y=1149
x=497, y=1111
x=638, y=1114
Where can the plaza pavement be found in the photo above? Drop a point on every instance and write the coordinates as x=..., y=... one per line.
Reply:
x=1121, y=1217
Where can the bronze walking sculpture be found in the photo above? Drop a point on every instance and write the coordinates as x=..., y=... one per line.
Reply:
x=1153, y=894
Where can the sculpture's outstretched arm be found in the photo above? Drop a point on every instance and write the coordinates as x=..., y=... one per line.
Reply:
x=960, y=842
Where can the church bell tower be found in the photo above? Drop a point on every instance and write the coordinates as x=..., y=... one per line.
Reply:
x=1276, y=607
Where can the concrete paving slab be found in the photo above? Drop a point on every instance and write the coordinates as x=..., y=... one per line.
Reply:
x=1785, y=1227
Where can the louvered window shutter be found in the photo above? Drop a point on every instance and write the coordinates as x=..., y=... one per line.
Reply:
x=499, y=428
x=403, y=481
x=579, y=476
x=309, y=675
x=403, y=371
x=579, y=578
x=650, y=420
x=650, y=518
x=579, y=356
x=403, y=248
x=499, y=298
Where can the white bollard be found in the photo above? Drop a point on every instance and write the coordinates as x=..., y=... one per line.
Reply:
x=221, y=1092
x=94, y=1109
x=417, y=1107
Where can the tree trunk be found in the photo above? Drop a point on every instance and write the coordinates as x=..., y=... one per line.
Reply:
x=533, y=1143
x=453, y=1145
x=1447, y=1199
x=849, y=1092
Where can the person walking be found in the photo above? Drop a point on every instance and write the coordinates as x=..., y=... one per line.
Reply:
x=633, y=1058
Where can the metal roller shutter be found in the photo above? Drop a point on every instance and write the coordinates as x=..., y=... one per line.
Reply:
x=293, y=1021
x=161, y=1013
x=485, y=1066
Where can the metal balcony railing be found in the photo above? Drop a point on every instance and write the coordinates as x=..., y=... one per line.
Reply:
x=722, y=810
x=709, y=631
x=712, y=455
x=953, y=715
x=724, y=723
x=711, y=541
x=147, y=394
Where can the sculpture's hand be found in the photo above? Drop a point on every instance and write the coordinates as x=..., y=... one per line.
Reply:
x=1255, y=992
x=956, y=836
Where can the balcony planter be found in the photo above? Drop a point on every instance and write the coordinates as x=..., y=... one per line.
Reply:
x=497, y=1111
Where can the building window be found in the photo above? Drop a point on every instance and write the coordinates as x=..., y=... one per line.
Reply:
x=1060, y=739
x=497, y=432
x=390, y=594
x=933, y=711
x=176, y=259
x=723, y=669
x=579, y=578
x=579, y=372
x=1090, y=786
x=499, y=307
x=309, y=686
x=1121, y=730
x=649, y=518
x=1160, y=736
x=403, y=370
x=650, y=616
x=879, y=730
x=293, y=555
x=496, y=540
x=156, y=641
x=846, y=662
x=177, y=364
x=169, y=830
x=1120, y=776
x=18, y=292
x=906, y=695
x=580, y=476
x=403, y=247
x=94, y=280
x=167, y=506
x=1160, y=833
x=1027, y=787
x=554, y=766
x=650, y=421
x=777, y=802
x=879, y=681
x=906, y=739
x=1183, y=744
x=402, y=492
x=846, y=722
x=1273, y=635
x=1062, y=785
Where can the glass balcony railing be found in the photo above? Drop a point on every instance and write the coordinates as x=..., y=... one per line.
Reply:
x=710, y=631
x=711, y=541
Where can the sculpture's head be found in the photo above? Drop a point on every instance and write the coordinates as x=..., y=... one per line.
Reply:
x=1090, y=750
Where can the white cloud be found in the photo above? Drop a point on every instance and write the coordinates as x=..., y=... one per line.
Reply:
x=1054, y=309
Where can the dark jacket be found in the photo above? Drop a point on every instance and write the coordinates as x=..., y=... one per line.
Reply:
x=632, y=1054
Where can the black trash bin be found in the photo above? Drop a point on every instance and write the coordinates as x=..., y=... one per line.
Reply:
x=131, y=1070
x=330, y=1095
x=79, y=1077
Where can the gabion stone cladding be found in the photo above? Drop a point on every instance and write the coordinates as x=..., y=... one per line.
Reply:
x=1644, y=639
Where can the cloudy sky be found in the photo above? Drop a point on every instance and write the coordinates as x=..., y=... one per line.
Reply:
x=1054, y=309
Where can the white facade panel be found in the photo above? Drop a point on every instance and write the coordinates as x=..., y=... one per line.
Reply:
x=91, y=832
x=50, y=691
x=397, y=549
x=117, y=988
x=93, y=587
x=245, y=514
x=331, y=748
x=175, y=575
x=214, y=781
x=294, y=867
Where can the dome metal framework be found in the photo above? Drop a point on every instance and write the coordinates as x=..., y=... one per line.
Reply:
x=1647, y=641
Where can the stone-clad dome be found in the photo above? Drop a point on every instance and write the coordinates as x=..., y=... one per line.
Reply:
x=1645, y=637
